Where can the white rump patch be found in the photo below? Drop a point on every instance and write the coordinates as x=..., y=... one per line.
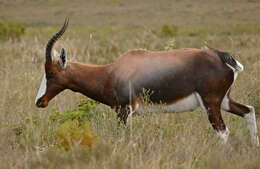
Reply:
x=223, y=135
x=234, y=70
x=239, y=66
x=251, y=123
x=42, y=89
x=189, y=103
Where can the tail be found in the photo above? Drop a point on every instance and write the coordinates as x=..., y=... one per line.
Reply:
x=229, y=60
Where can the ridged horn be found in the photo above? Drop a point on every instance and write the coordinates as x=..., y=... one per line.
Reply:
x=53, y=39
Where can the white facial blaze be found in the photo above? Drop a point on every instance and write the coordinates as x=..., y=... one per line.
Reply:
x=55, y=55
x=42, y=88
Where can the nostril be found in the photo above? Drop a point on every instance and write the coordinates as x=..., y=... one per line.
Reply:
x=39, y=103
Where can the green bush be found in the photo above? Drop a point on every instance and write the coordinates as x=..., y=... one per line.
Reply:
x=11, y=30
x=82, y=112
x=169, y=30
x=63, y=129
x=74, y=126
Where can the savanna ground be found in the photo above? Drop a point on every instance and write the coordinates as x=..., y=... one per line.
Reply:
x=99, y=31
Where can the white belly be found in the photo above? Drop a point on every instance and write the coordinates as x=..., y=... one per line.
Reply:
x=189, y=103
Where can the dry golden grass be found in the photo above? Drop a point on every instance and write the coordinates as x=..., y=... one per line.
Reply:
x=152, y=141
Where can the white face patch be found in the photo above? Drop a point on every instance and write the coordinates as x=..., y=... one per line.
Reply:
x=42, y=89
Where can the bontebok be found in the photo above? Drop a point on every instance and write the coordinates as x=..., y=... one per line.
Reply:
x=179, y=80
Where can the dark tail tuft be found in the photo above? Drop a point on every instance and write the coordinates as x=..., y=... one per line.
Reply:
x=229, y=60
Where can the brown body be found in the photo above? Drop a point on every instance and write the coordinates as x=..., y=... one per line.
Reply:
x=182, y=78
x=170, y=75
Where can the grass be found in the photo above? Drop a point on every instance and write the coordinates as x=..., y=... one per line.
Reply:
x=100, y=31
x=11, y=30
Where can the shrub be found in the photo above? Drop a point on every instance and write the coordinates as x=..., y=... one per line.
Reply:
x=74, y=127
x=71, y=133
x=11, y=30
x=82, y=112
x=64, y=129
x=169, y=30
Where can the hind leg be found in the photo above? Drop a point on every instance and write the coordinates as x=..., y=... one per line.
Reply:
x=215, y=118
x=245, y=111
x=212, y=106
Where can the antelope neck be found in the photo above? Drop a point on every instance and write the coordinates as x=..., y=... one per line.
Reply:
x=88, y=79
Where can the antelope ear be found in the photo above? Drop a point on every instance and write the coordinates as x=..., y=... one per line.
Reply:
x=63, y=58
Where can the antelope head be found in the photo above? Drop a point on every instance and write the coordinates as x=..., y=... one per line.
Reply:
x=54, y=78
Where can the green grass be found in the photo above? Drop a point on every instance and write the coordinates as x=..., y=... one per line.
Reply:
x=99, y=32
x=11, y=30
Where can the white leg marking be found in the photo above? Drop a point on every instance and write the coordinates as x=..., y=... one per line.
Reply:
x=223, y=135
x=251, y=123
x=42, y=89
x=129, y=117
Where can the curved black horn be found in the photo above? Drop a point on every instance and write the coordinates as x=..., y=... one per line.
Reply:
x=54, y=38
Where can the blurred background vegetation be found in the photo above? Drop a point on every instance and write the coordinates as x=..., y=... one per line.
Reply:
x=100, y=31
